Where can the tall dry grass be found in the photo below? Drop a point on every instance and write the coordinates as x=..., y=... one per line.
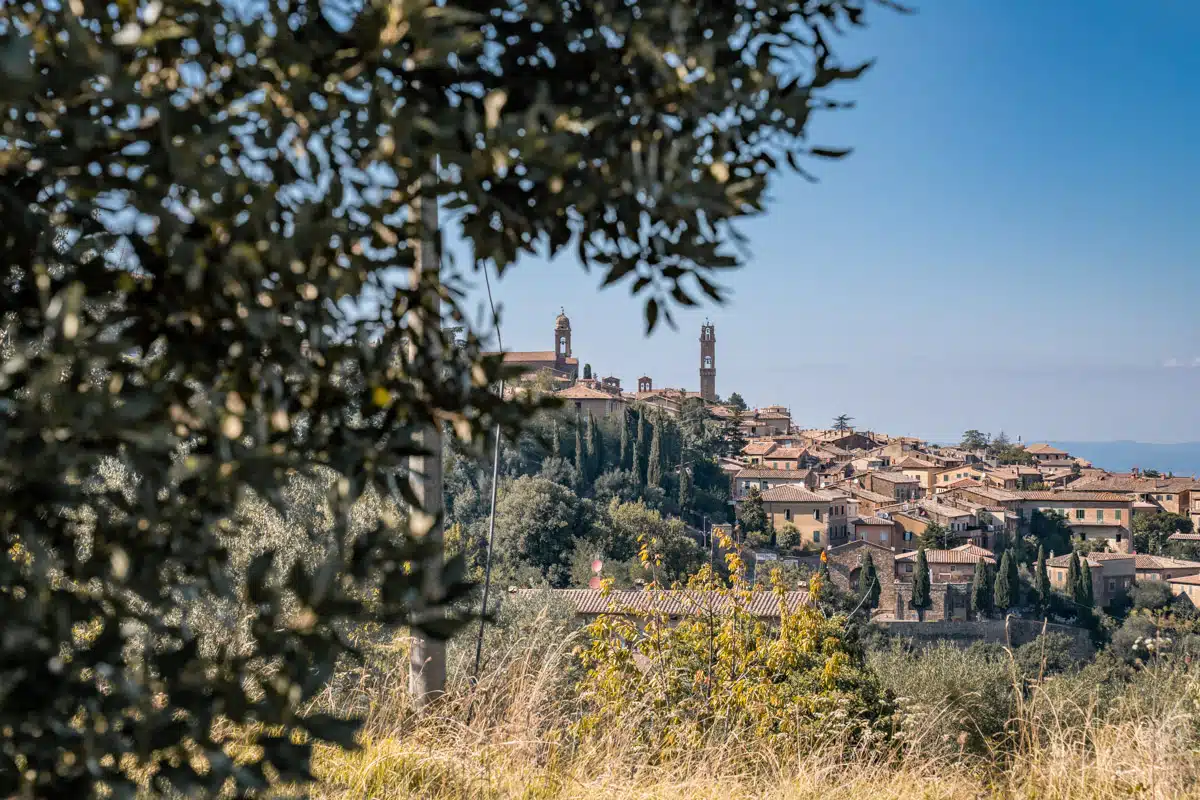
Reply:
x=1080, y=735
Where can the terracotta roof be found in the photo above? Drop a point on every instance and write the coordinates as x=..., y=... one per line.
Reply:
x=536, y=356
x=758, y=448
x=948, y=557
x=787, y=452
x=1094, y=559
x=1147, y=561
x=873, y=521
x=792, y=494
x=895, y=477
x=1128, y=483
x=1074, y=496
x=963, y=483
x=996, y=493
x=974, y=549
x=585, y=393
x=1045, y=448
x=934, y=507
x=1184, y=537
x=797, y=475
x=915, y=463
x=673, y=603
x=874, y=497
x=1190, y=580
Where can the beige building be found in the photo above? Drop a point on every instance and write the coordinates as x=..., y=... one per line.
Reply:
x=921, y=469
x=821, y=517
x=767, y=479
x=786, y=458
x=945, y=477
x=1187, y=586
x=1043, y=452
x=875, y=530
x=1113, y=574
x=945, y=566
x=1092, y=516
x=896, y=485
x=587, y=399
x=1161, y=568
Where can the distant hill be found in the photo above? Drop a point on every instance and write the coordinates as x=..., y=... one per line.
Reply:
x=1120, y=456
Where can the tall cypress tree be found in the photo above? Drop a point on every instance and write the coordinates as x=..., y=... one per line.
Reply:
x=868, y=582
x=981, y=590
x=580, y=451
x=592, y=454
x=1003, y=595
x=921, y=598
x=685, y=489
x=1082, y=590
x=623, y=458
x=641, y=448
x=1042, y=580
x=555, y=439
x=654, y=465
x=1073, y=575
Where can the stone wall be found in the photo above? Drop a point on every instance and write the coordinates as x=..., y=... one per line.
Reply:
x=844, y=563
x=964, y=633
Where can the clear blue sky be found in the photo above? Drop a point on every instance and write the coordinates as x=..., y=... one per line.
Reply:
x=1013, y=245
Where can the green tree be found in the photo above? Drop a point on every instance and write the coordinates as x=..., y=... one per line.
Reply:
x=868, y=582
x=684, y=498
x=842, y=422
x=935, y=537
x=1084, y=592
x=974, y=440
x=751, y=513
x=1042, y=581
x=195, y=196
x=555, y=440
x=587, y=372
x=581, y=454
x=736, y=402
x=1001, y=442
x=641, y=452
x=1004, y=596
x=594, y=456
x=1050, y=530
x=654, y=461
x=921, y=597
x=1073, y=570
x=788, y=536
x=538, y=523
x=982, y=589
x=1151, y=532
x=625, y=452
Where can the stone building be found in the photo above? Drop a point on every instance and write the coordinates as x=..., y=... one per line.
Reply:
x=558, y=362
x=708, y=362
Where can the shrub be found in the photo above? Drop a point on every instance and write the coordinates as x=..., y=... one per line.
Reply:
x=788, y=536
x=1151, y=595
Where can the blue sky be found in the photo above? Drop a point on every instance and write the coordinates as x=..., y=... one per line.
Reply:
x=1013, y=244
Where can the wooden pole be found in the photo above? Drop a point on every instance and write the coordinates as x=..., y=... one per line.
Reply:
x=427, y=658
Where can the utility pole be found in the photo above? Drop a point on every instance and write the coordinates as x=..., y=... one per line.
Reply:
x=427, y=657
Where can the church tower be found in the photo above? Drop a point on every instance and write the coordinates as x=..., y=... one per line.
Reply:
x=708, y=362
x=562, y=337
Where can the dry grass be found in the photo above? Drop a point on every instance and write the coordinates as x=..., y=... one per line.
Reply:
x=509, y=737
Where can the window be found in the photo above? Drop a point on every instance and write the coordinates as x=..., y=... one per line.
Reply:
x=1112, y=584
x=787, y=514
x=945, y=479
x=817, y=514
x=816, y=536
x=883, y=537
x=1079, y=513
x=1118, y=513
x=766, y=485
x=708, y=362
x=1099, y=515
x=908, y=567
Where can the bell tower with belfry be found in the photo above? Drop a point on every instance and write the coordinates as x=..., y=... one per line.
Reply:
x=708, y=362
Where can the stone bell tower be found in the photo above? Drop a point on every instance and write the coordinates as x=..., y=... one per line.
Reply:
x=708, y=362
x=562, y=340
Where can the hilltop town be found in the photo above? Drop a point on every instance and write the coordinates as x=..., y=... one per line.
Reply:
x=797, y=494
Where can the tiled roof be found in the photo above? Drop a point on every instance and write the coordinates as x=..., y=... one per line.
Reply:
x=797, y=475
x=963, y=483
x=585, y=393
x=792, y=494
x=758, y=448
x=1147, y=561
x=1128, y=483
x=915, y=463
x=873, y=521
x=1190, y=580
x=531, y=355
x=874, y=497
x=673, y=603
x=948, y=557
x=787, y=452
x=995, y=493
x=934, y=507
x=974, y=549
x=1073, y=496
x=895, y=477
x=1045, y=449
x=1094, y=559
x=1184, y=537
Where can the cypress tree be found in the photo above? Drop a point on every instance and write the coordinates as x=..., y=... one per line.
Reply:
x=623, y=457
x=685, y=489
x=981, y=592
x=1014, y=576
x=921, y=598
x=1073, y=575
x=1089, y=591
x=1003, y=595
x=641, y=448
x=1042, y=580
x=1081, y=589
x=592, y=454
x=868, y=582
x=555, y=440
x=654, y=466
x=580, y=451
